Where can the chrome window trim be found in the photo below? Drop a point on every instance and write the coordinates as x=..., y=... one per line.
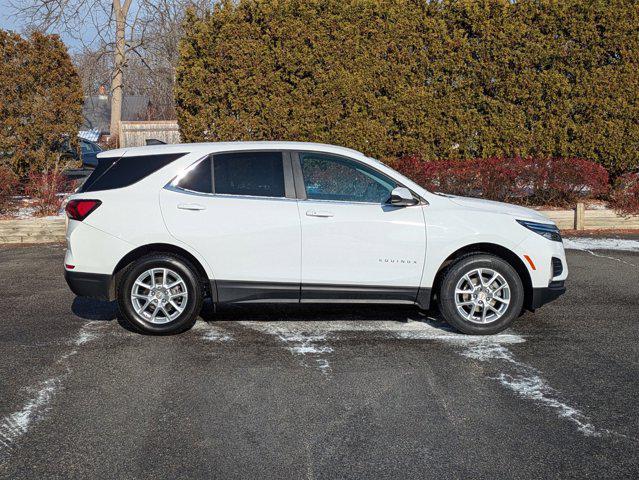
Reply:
x=296, y=167
x=349, y=202
x=175, y=188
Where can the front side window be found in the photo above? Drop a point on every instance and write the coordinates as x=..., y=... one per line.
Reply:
x=259, y=174
x=328, y=177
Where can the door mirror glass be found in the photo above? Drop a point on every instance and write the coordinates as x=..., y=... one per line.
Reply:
x=401, y=197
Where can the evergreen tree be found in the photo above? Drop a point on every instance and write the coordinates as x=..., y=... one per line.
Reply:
x=40, y=101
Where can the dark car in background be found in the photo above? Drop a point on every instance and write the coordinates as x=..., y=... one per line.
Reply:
x=89, y=153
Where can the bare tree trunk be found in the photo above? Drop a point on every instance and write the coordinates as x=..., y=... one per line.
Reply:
x=120, y=11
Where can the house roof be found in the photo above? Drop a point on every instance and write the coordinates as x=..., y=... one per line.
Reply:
x=96, y=111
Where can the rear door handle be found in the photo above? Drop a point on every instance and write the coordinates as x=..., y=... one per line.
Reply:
x=191, y=206
x=319, y=213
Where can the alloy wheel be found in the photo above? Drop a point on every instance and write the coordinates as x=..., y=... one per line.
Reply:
x=482, y=296
x=159, y=295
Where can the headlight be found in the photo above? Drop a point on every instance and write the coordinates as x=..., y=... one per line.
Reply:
x=551, y=232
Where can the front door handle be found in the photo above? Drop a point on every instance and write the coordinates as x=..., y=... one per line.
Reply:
x=191, y=206
x=319, y=213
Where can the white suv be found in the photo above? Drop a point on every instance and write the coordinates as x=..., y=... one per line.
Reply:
x=161, y=228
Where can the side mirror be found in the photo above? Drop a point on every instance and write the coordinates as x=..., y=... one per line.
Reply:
x=401, y=197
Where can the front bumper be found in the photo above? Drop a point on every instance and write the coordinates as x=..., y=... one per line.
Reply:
x=542, y=296
x=94, y=285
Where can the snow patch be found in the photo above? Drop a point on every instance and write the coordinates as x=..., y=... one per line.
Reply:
x=305, y=340
x=15, y=425
x=212, y=333
x=585, y=243
x=527, y=383
x=590, y=244
x=305, y=344
x=489, y=351
x=311, y=338
x=535, y=388
x=25, y=212
x=412, y=330
x=311, y=345
x=85, y=337
x=216, y=336
x=90, y=331
x=458, y=338
x=305, y=349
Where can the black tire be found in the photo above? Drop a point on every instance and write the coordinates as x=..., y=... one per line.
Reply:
x=187, y=272
x=469, y=263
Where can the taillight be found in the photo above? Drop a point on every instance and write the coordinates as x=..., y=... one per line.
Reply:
x=80, y=209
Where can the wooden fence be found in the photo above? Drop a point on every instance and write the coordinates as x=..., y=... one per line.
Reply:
x=581, y=219
x=135, y=134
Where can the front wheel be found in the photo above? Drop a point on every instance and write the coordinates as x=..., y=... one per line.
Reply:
x=481, y=294
x=160, y=294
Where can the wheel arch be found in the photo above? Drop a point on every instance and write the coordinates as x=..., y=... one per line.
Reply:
x=144, y=250
x=494, y=249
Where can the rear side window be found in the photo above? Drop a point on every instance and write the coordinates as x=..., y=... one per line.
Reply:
x=258, y=174
x=198, y=179
x=121, y=172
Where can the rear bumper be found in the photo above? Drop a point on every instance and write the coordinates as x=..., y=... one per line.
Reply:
x=542, y=296
x=94, y=285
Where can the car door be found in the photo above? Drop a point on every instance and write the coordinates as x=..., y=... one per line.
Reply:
x=239, y=211
x=356, y=246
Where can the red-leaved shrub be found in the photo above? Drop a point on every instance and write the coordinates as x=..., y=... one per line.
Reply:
x=47, y=190
x=8, y=186
x=563, y=181
x=533, y=181
x=625, y=194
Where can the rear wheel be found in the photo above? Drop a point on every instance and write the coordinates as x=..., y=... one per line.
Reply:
x=160, y=294
x=481, y=294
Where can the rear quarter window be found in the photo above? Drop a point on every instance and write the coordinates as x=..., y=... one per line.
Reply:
x=198, y=179
x=112, y=173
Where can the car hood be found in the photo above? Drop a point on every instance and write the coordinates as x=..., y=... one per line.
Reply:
x=499, y=207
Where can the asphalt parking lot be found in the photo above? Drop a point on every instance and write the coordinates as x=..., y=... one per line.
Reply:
x=331, y=392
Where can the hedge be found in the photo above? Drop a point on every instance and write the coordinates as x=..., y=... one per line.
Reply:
x=625, y=194
x=8, y=186
x=528, y=181
x=444, y=79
